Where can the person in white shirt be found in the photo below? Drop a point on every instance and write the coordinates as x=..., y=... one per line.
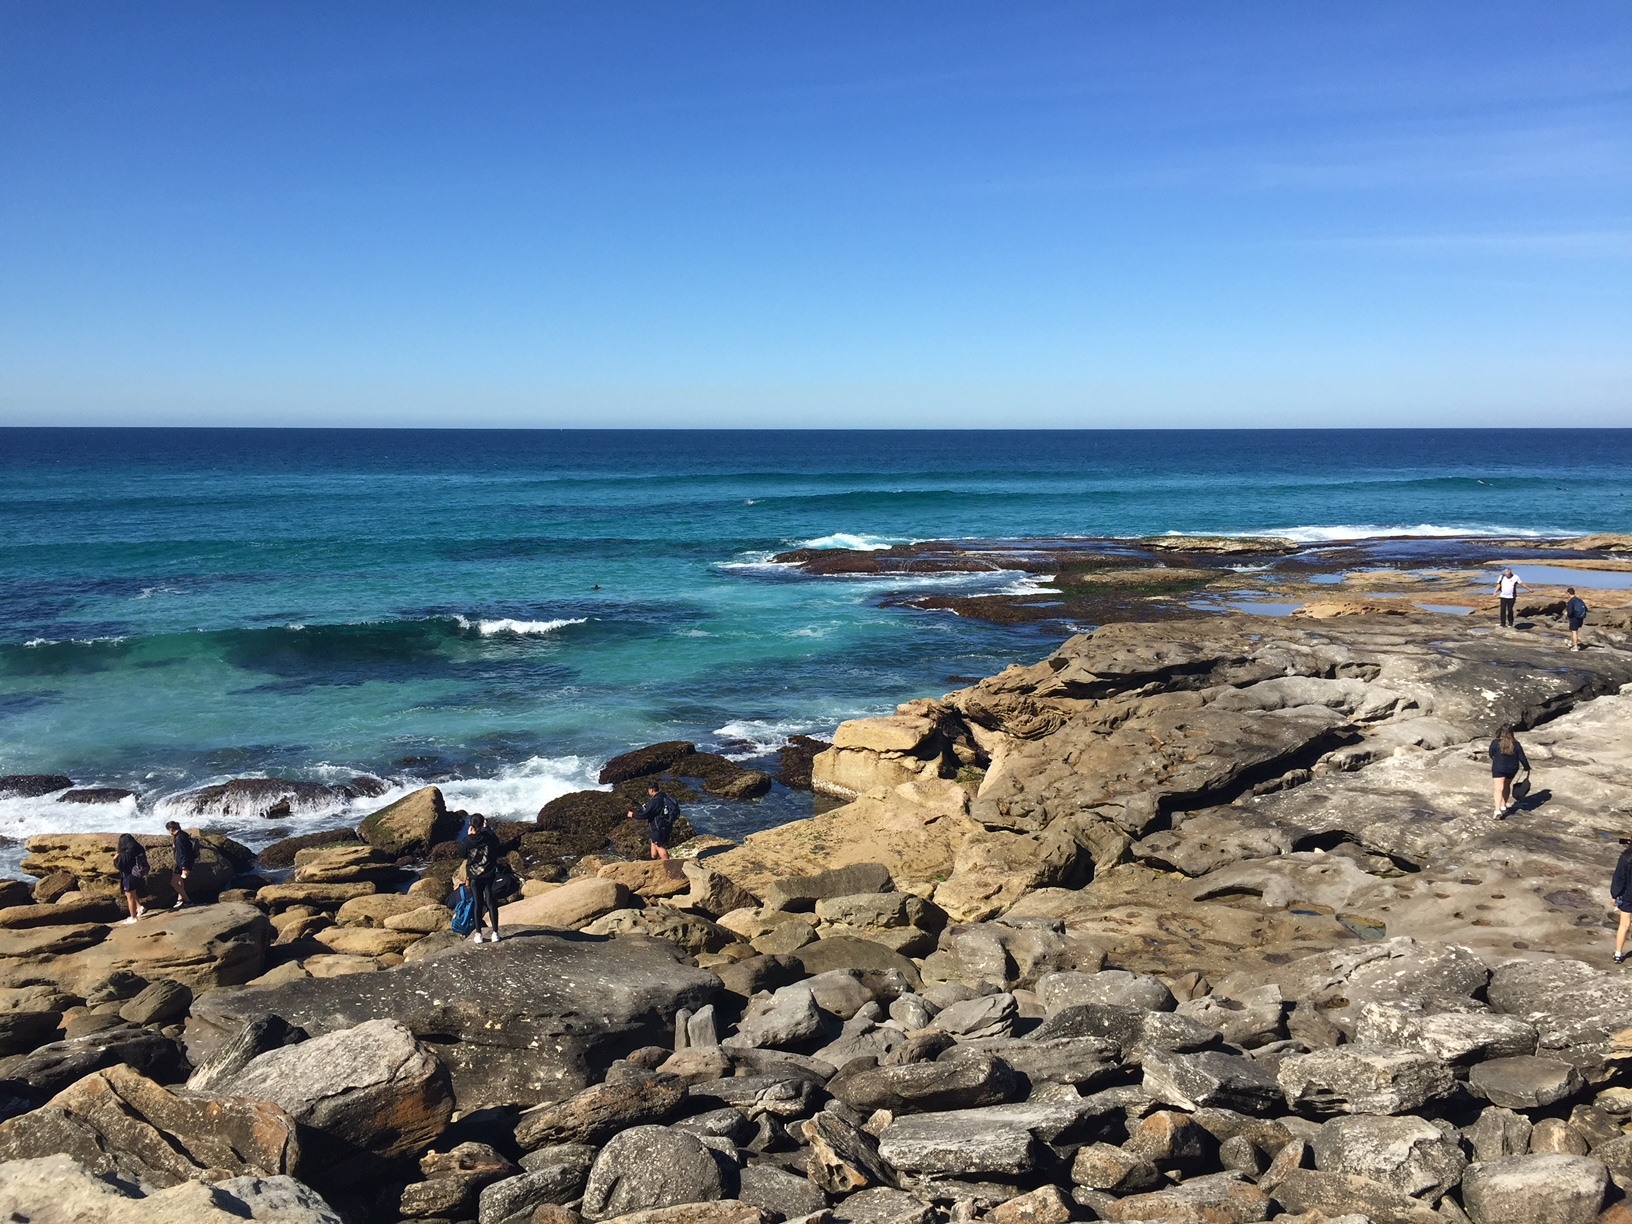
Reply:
x=1507, y=592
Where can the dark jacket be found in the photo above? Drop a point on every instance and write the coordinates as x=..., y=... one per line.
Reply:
x=186, y=850
x=660, y=813
x=483, y=854
x=127, y=864
x=1621, y=885
x=1503, y=765
x=1576, y=608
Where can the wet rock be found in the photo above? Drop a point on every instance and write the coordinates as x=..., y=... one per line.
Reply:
x=650, y=1166
x=32, y=786
x=775, y=1190
x=281, y=854
x=1363, y=1079
x=1525, y=1082
x=794, y=761
x=1545, y=1189
x=929, y=1086
x=118, y=1122
x=411, y=825
x=1337, y=1194
x=1211, y=1079
x=1410, y=1155
x=44, y=1072
x=370, y=1091
x=518, y=1023
x=597, y=1113
x=645, y=762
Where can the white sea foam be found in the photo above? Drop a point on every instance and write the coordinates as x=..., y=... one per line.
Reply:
x=758, y=737
x=855, y=542
x=1345, y=532
x=521, y=628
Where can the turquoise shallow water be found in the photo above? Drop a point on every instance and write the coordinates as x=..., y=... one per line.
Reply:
x=501, y=611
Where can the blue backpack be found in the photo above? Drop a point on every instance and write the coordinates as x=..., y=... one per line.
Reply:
x=464, y=911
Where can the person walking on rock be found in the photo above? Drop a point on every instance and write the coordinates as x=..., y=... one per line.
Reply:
x=1620, y=888
x=1507, y=594
x=660, y=812
x=483, y=855
x=1575, y=615
x=130, y=861
x=1506, y=759
x=186, y=852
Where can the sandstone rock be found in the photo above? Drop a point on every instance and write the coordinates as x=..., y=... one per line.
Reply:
x=845, y=952
x=788, y=1018
x=1257, y=1019
x=162, y=1002
x=803, y=892
x=1410, y=1155
x=650, y=879
x=1498, y=1132
x=1362, y=1079
x=46, y=1071
x=1104, y=1166
x=370, y=1091
x=55, y=1189
x=1525, y=1081
x=344, y=864
x=596, y=1114
x=690, y=932
x=118, y=1122
x=778, y=1095
x=567, y=1166
x=1211, y=1079
x=517, y=1023
x=363, y=941
x=1082, y=1062
x=1115, y=987
x=1574, y=1007
x=372, y=910
x=1554, y=1135
x=985, y=1017
x=880, y=910
x=1221, y=1198
x=748, y=977
x=930, y=1086
x=411, y=825
x=1335, y=1194
x=779, y=1192
x=22, y=1031
x=650, y=1166
x=1456, y=1037
x=513, y=1200
x=95, y=908
x=1044, y=1205
x=712, y=892
x=1544, y=1189
x=881, y=1205
x=254, y=1039
x=422, y=920
x=573, y=906
x=1133, y=1030
x=317, y=896
x=998, y=1139
x=89, y=858
x=721, y=1211
x=843, y=1158
x=1173, y=1142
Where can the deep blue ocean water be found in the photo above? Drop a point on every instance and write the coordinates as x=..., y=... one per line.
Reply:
x=503, y=610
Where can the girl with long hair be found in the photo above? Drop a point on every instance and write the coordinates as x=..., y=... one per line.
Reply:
x=131, y=862
x=1506, y=759
x=1620, y=889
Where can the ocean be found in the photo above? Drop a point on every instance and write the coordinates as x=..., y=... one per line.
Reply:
x=501, y=611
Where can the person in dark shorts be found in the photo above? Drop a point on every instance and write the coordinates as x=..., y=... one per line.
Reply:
x=660, y=812
x=186, y=852
x=1507, y=594
x=1620, y=888
x=483, y=855
x=1506, y=759
x=1575, y=615
x=130, y=861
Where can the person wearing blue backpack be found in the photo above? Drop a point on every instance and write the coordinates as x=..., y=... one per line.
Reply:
x=660, y=812
x=483, y=856
x=1575, y=615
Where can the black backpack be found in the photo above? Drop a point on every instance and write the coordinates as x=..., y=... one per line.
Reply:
x=662, y=823
x=1576, y=609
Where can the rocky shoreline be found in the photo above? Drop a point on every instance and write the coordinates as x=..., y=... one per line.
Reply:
x=1200, y=920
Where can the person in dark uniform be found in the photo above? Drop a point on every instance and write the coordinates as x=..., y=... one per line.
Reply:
x=130, y=861
x=483, y=854
x=1620, y=889
x=186, y=852
x=660, y=812
x=1506, y=759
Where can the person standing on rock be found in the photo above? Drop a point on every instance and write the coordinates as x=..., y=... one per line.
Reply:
x=1620, y=888
x=1575, y=615
x=1507, y=594
x=186, y=852
x=130, y=861
x=660, y=812
x=1506, y=759
x=483, y=855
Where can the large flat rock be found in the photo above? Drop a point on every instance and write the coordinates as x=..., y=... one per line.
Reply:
x=518, y=1023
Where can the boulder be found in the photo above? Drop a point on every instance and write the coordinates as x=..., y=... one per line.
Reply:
x=88, y=857
x=1220, y=1198
x=1256, y=1019
x=803, y=892
x=372, y=910
x=118, y=1122
x=998, y=1140
x=776, y=1191
x=1363, y=1079
x=1115, y=987
x=1410, y=1155
x=159, y=1003
x=92, y=908
x=1343, y=1194
x=1211, y=1079
x=645, y=762
x=966, y=1083
x=787, y=1018
x=847, y=952
x=411, y=825
x=650, y=879
x=597, y=1113
x=692, y=933
x=44, y=1072
x=971, y=1019
x=344, y=864
x=1457, y=1037
x=1525, y=1081
x=1082, y=1062
x=571, y=907
x=56, y=1188
x=1133, y=1030
x=1113, y=1170
x=1498, y=1132
x=712, y=892
x=454, y=1179
x=650, y=1166
x=1543, y=1189
x=1044, y=1205
x=520, y=1022
x=422, y=920
x=513, y=1200
x=227, y=1059
x=371, y=1091
x=789, y=1093
x=843, y=1158
x=22, y=1031
x=1173, y=1142
x=318, y=896
x=1575, y=1008
x=32, y=786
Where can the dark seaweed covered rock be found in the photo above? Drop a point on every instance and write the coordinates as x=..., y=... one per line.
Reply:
x=32, y=786
x=794, y=760
x=643, y=762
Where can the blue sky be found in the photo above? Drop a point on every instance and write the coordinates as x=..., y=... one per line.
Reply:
x=764, y=214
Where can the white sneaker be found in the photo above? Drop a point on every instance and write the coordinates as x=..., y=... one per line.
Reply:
x=493, y=938
x=128, y=922
x=140, y=910
x=179, y=903
x=475, y=937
